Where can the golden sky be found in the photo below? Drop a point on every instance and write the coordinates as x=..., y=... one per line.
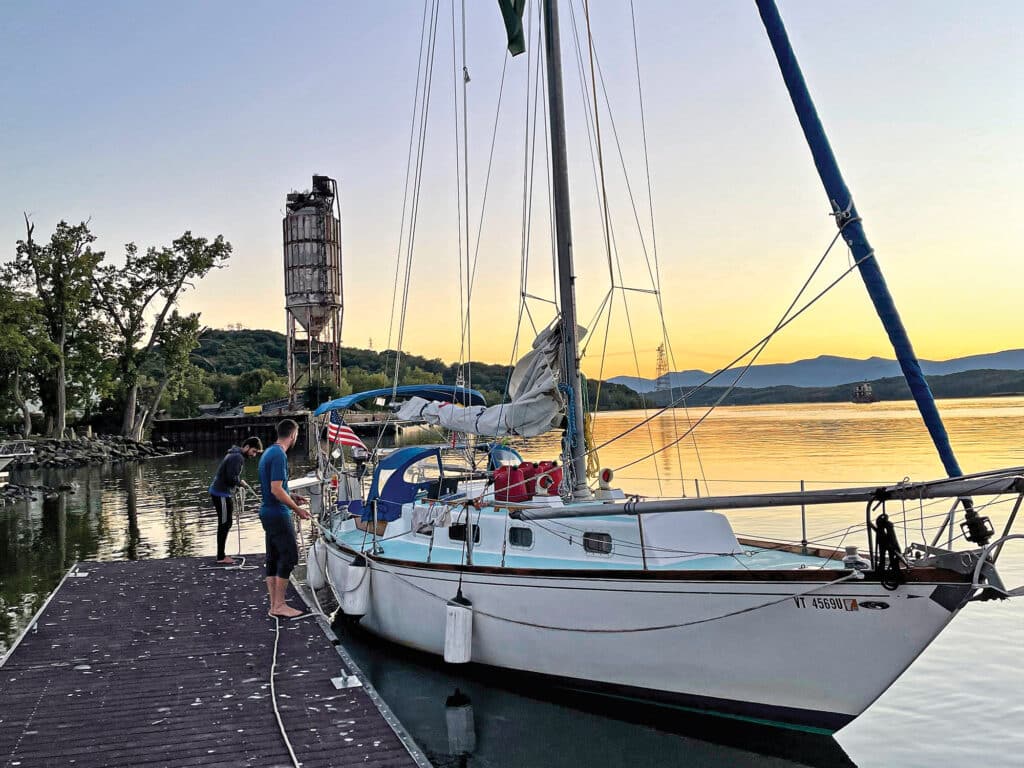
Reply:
x=923, y=103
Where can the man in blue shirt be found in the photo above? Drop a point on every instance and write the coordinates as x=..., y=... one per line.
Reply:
x=226, y=480
x=276, y=517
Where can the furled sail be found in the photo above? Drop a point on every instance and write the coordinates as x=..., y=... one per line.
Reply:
x=535, y=406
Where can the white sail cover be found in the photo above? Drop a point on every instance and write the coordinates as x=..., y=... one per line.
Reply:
x=536, y=404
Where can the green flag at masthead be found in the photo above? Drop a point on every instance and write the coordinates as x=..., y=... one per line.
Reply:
x=512, y=12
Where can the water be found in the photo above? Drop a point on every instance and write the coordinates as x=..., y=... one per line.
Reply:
x=959, y=703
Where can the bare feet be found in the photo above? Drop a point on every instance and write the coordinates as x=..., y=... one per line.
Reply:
x=226, y=561
x=285, y=611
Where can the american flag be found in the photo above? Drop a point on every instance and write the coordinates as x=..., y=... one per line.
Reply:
x=340, y=432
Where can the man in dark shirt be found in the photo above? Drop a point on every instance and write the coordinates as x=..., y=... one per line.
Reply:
x=276, y=516
x=225, y=481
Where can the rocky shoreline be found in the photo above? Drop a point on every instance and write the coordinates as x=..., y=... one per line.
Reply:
x=50, y=453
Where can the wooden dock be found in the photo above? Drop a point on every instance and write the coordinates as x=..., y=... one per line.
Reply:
x=159, y=662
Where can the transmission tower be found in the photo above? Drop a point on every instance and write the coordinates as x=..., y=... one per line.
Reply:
x=661, y=373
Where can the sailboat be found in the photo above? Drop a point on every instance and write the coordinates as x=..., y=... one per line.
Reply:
x=533, y=571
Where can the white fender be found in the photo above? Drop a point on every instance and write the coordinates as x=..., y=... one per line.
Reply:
x=316, y=565
x=355, y=589
x=458, y=630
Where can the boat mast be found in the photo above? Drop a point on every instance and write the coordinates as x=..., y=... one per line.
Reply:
x=573, y=444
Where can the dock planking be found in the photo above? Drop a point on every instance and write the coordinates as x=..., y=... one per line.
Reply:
x=158, y=662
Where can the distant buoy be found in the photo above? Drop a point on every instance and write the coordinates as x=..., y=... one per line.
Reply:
x=458, y=715
x=458, y=630
x=355, y=589
x=316, y=565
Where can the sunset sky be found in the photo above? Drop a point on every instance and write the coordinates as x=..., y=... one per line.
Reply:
x=150, y=119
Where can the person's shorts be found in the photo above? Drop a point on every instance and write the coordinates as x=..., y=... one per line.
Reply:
x=282, y=549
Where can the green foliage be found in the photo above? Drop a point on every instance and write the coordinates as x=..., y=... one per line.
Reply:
x=59, y=275
x=317, y=392
x=193, y=392
x=251, y=382
x=224, y=388
x=148, y=282
x=235, y=352
x=272, y=389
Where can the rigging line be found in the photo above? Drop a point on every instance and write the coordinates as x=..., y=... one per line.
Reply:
x=418, y=183
x=606, y=220
x=374, y=563
x=487, y=176
x=408, y=169
x=763, y=345
x=744, y=354
x=655, y=273
x=602, y=193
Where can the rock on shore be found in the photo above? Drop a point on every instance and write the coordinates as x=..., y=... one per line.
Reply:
x=85, y=451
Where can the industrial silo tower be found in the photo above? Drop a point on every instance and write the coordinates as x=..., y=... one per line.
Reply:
x=313, y=286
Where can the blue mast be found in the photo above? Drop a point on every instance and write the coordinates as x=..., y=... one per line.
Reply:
x=849, y=222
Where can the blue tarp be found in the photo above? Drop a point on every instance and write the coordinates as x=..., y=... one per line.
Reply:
x=444, y=392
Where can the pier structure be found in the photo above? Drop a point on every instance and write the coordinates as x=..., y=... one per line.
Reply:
x=172, y=662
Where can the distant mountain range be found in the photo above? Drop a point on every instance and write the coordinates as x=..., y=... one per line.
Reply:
x=829, y=371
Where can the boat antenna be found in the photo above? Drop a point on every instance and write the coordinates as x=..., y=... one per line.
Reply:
x=849, y=222
x=574, y=455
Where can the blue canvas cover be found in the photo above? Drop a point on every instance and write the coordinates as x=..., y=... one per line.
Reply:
x=443, y=392
x=396, y=491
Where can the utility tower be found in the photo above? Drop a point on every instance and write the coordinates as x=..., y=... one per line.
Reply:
x=661, y=372
x=313, y=286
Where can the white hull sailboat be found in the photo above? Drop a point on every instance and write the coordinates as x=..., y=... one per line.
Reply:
x=659, y=601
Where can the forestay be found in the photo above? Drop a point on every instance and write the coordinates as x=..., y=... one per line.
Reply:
x=535, y=405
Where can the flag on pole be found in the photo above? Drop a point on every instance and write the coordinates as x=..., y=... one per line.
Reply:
x=512, y=14
x=340, y=432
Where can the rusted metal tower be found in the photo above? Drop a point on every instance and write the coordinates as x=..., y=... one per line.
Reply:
x=313, y=285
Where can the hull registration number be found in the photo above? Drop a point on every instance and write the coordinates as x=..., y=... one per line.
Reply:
x=827, y=603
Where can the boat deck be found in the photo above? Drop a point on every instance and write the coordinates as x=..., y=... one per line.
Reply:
x=157, y=662
x=417, y=549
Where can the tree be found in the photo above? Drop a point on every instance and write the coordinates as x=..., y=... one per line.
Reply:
x=251, y=382
x=179, y=335
x=272, y=389
x=24, y=346
x=61, y=275
x=126, y=295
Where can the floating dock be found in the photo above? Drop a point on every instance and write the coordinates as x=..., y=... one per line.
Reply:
x=163, y=662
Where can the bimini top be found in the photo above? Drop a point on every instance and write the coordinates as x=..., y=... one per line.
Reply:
x=443, y=392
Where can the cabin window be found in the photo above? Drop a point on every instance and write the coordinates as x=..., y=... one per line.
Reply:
x=597, y=543
x=457, y=532
x=520, y=537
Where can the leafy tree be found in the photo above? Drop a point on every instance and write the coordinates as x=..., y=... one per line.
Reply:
x=153, y=280
x=225, y=388
x=179, y=335
x=272, y=389
x=23, y=347
x=193, y=392
x=251, y=382
x=318, y=392
x=60, y=273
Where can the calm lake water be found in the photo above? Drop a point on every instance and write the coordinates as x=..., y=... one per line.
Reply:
x=960, y=703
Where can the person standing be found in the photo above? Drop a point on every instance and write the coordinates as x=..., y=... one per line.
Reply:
x=276, y=517
x=226, y=480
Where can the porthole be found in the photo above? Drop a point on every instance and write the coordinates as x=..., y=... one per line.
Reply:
x=457, y=532
x=520, y=537
x=597, y=543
